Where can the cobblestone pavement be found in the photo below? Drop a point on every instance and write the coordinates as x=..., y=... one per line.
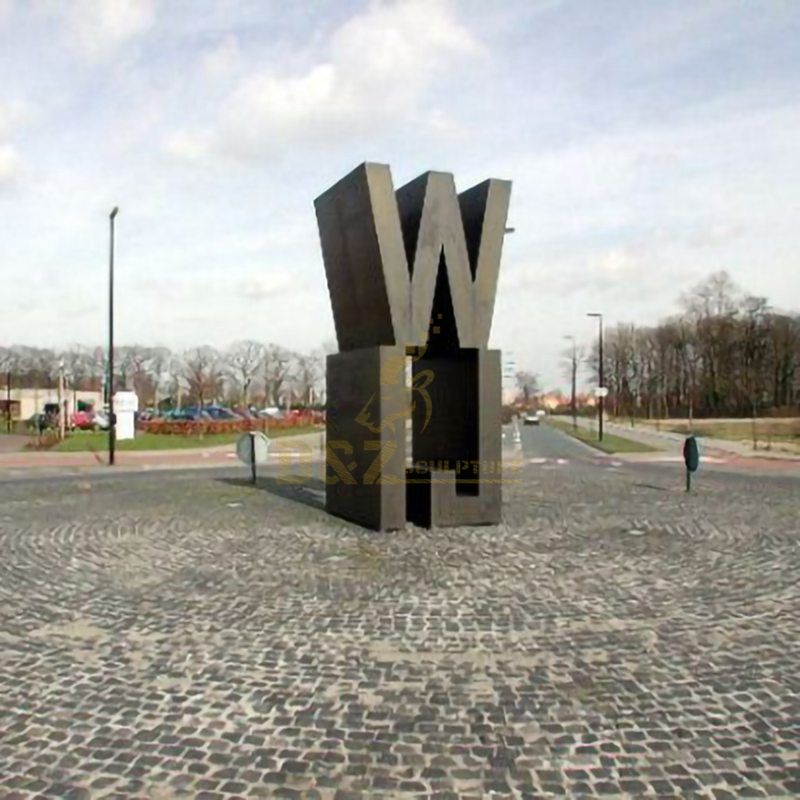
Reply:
x=171, y=636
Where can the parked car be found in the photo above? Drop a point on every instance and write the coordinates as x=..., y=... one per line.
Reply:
x=220, y=413
x=245, y=413
x=83, y=420
x=100, y=421
x=188, y=414
x=145, y=415
x=39, y=422
x=271, y=412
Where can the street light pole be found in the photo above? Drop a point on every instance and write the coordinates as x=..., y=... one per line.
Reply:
x=8, y=401
x=62, y=421
x=112, y=426
x=573, y=406
x=599, y=376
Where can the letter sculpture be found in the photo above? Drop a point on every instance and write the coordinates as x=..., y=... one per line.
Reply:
x=412, y=277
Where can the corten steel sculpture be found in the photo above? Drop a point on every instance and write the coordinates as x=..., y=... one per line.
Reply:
x=413, y=273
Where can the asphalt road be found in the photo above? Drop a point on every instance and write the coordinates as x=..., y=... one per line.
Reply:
x=543, y=441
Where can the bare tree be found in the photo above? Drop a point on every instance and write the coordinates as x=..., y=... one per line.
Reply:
x=571, y=360
x=244, y=359
x=275, y=370
x=203, y=372
x=528, y=384
x=727, y=354
x=307, y=372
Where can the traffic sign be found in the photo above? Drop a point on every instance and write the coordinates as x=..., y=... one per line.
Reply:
x=253, y=445
x=253, y=448
x=691, y=457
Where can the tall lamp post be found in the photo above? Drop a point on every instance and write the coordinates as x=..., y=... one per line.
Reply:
x=62, y=405
x=112, y=422
x=573, y=405
x=599, y=375
x=8, y=400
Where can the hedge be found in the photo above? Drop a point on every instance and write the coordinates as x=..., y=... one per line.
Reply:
x=216, y=426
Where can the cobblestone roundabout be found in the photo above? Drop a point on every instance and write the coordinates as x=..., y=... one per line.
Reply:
x=185, y=636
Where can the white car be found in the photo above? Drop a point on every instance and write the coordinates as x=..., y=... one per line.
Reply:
x=100, y=421
x=530, y=419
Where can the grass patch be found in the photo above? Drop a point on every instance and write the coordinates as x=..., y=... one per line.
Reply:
x=610, y=444
x=782, y=432
x=95, y=441
x=785, y=429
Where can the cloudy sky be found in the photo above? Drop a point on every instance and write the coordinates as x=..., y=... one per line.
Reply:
x=649, y=144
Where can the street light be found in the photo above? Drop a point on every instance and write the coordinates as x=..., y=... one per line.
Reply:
x=61, y=415
x=112, y=423
x=599, y=375
x=574, y=378
x=8, y=399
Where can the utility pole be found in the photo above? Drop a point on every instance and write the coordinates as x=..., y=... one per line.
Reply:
x=573, y=403
x=8, y=401
x=112, y=426
x=62, y=417
x=599, y=376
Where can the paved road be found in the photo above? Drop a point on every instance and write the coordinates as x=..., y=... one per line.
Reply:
x=184, y=635
x=544, y=441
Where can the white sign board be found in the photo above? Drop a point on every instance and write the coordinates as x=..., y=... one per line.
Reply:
x=126, y=401
x=126, y=404
x=250, y=443
x=601, y=391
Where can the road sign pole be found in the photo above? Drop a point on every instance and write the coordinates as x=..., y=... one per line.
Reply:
x=112, y=423
x=253, y=459
x=691, y=457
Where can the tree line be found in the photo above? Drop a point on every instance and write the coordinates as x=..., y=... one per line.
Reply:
x=726, y=353
x=245, y=373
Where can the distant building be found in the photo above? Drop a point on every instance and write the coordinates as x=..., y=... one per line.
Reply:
x=27, y=402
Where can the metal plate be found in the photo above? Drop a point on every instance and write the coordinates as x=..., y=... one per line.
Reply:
x=244, y=450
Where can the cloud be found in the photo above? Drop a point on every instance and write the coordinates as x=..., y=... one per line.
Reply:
x=715, y=235
x=255, y=290
x=377, y=69
x=223, y=60
x=9, y=164
x=12, y=115
x=97, y=30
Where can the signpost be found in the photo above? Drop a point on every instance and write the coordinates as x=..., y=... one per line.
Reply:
x=600, y=392
x=253, y=448
x=691, y=457
x=126, y=404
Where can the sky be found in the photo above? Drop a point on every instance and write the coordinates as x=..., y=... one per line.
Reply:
x=649, y=144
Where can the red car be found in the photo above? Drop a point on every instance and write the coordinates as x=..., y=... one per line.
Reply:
x=83, y=420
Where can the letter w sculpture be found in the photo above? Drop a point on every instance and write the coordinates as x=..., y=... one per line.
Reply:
x=412, y=276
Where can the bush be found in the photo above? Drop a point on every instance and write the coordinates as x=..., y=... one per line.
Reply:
x=214, y=426
x=46, y=441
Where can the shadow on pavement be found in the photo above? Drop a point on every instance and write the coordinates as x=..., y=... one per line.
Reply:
x=309, y=491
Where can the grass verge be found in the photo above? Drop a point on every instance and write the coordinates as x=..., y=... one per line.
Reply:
x=610, y=444
x=83, y=441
